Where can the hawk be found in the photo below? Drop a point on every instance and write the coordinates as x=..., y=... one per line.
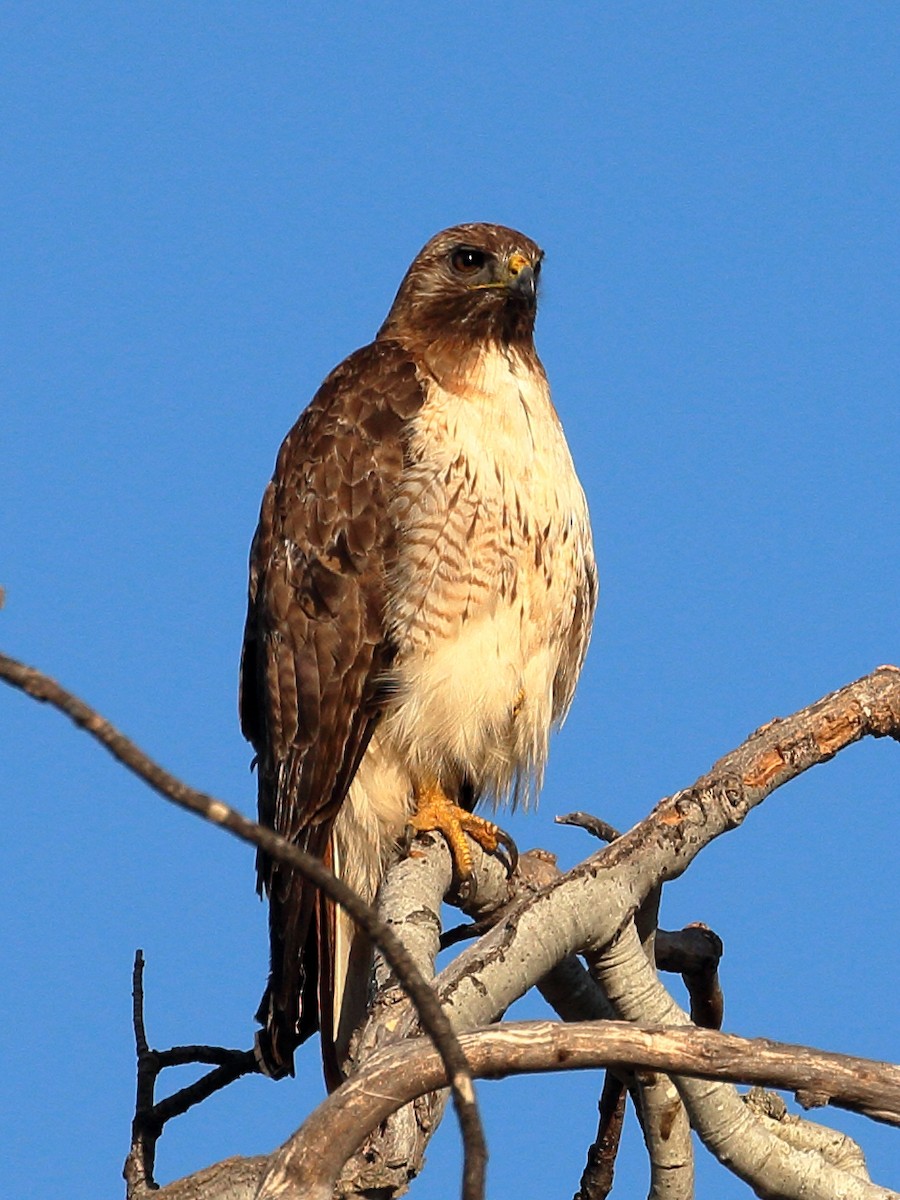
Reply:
x=422, y=587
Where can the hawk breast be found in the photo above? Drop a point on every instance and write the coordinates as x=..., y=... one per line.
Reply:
x=491, y=597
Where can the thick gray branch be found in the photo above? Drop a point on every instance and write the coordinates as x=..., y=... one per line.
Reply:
x=586, y=907
x=664, y=1120
x=397, y=1074
x=589, y=905
x=727, y=1126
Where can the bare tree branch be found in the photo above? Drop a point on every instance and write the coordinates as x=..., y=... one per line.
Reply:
x=394, y=1076
x=597, y=828
x=410, y=899
x=231, y=1179
x=597, y=1177
x=533, y=941
x=535, y=869
x=725, y=1124
x=150, y=1115
x=587, y=906
x=418, y=883
x=662, y=1116
x=694, y=953
x=803, y=1134
x=40, y=687
x=667, y=1136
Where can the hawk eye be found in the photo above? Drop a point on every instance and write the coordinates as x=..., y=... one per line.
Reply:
x=466, y=260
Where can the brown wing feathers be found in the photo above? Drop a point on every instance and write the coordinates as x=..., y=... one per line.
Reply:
x=314, y=645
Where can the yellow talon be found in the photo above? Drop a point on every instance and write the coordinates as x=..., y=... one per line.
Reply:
x=434, y=811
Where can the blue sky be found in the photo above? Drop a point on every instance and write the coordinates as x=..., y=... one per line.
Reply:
x=204, y=209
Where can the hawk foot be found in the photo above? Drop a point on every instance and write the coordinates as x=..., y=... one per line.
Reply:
x=435, y=812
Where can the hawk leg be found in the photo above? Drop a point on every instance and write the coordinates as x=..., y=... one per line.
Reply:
x=434, y=811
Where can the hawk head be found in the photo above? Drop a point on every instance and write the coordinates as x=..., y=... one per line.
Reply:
x=475, y=282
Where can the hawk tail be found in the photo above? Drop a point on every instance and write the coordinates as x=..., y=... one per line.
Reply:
x=320, y=966
x=345, y=967
x=288, y=1011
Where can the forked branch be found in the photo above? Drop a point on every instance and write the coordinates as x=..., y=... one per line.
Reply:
x=150, y=1114
x=534, y=941
x=586, y=907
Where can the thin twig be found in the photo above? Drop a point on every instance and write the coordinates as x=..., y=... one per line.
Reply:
x=150, y=1117
x=139, y=1164
x=241, y=1062
x=467, y=931
x=597, y=1177
x=594, y=826
x=215, y=1056
x=137, y=1003
x=434, y=1021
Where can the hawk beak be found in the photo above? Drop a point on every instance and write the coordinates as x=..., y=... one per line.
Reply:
x=521, y=280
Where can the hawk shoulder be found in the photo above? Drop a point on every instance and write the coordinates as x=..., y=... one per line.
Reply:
x=314, y=640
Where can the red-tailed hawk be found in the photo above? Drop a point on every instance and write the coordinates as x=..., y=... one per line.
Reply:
x=422, y=586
